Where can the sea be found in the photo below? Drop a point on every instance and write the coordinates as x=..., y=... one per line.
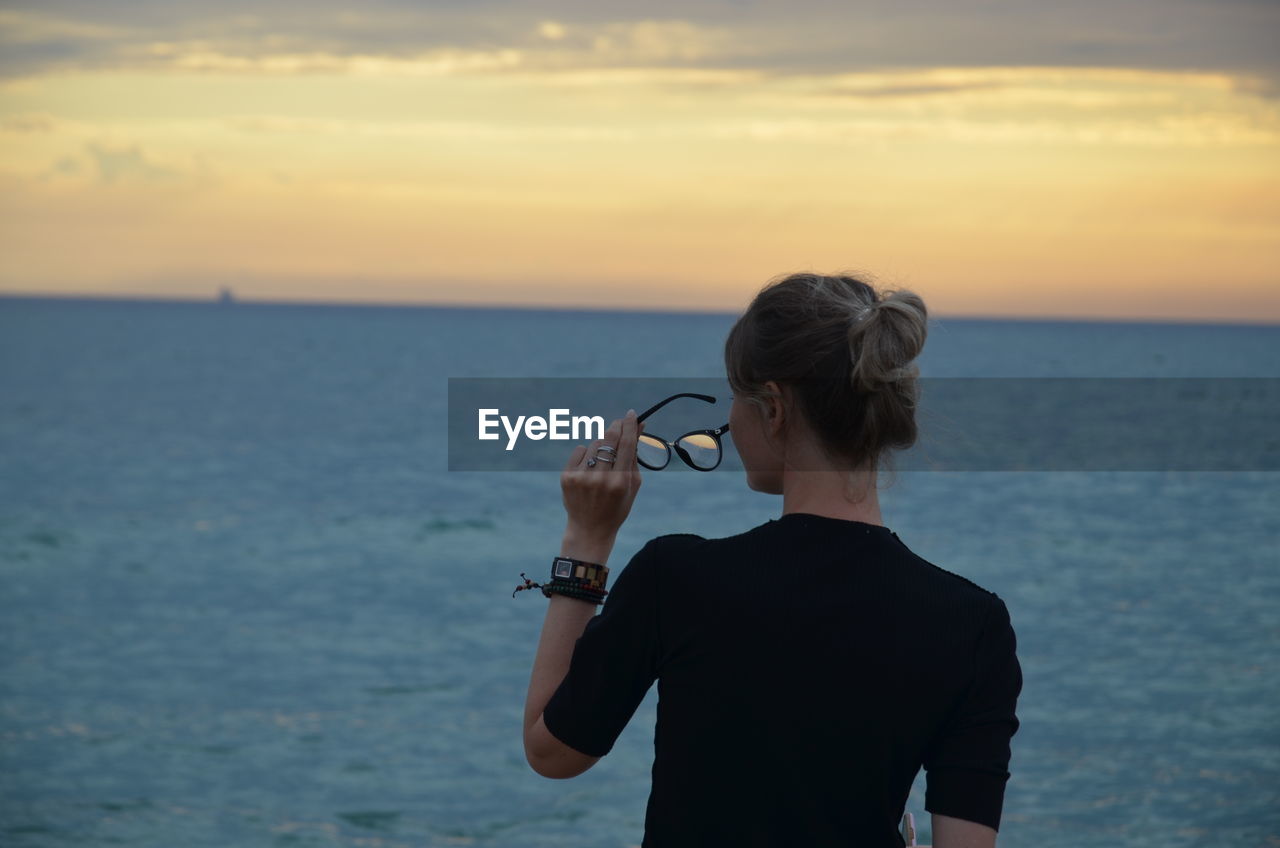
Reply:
x=244, y=602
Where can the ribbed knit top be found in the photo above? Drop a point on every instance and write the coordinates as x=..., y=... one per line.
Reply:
x=807, y=668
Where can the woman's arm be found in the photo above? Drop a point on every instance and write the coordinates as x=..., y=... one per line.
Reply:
x=566, y=619
x=597, y=499
x=951, y=832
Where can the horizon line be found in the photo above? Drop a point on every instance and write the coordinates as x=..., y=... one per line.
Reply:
x=236, y=300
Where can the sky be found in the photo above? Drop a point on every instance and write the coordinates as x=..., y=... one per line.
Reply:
x=1091, y=159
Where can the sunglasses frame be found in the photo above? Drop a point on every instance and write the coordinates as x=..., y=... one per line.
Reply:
x=713, y=433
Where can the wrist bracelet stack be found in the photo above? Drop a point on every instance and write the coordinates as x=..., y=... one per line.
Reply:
x=572, y=578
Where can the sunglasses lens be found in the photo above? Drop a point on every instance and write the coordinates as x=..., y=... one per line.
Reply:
x=652, y=452
x=703, y=450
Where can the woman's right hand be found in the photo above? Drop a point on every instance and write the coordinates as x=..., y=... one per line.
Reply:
x=598, y=497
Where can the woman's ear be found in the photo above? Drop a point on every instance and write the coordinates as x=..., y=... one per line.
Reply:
x=775, y=409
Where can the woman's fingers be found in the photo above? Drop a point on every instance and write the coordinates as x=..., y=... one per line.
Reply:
x=621, y=435
x=583, y=454
x=627, y=441
x=575, y=458
x=610, y=439
x=613, y=434
x=598, y=497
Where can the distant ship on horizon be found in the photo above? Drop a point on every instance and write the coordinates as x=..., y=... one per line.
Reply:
x=225, y=295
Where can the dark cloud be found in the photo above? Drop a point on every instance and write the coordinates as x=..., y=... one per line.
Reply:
x=800, y=36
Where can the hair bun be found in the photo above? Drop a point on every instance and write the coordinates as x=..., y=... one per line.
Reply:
x=882, y=350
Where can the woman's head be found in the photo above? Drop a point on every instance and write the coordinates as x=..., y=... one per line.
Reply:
x=834, y=352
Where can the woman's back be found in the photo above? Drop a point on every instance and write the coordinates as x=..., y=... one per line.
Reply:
x=806, y=669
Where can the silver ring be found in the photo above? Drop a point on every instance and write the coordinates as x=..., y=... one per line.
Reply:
x=591, y=462
x=608, y=448
x=602, y=459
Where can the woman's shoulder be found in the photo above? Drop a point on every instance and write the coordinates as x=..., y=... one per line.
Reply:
x=957, y=587
x=673, y=549
x=674, y=543
x=957, y=582
x=956, y=599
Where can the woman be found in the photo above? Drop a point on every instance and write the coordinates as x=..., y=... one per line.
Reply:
x=807, y=667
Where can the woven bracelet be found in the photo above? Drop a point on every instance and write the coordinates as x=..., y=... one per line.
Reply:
x=562, y=587
x=573, y=591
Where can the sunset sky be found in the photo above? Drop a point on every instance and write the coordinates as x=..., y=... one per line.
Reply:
x=1086, y=159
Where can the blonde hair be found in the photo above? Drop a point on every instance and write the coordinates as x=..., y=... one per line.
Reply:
x=848, y=352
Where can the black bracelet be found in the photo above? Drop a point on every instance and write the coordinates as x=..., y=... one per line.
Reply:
x=571, y=591
x=574, y=587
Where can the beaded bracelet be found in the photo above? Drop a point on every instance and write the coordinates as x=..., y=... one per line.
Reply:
x=576, y=585
x=561, y=586
x=584, y=582
x=571, y=591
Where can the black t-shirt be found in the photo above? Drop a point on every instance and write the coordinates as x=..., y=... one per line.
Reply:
x=806, y=669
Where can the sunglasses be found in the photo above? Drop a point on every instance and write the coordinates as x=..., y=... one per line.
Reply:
x=701, y=450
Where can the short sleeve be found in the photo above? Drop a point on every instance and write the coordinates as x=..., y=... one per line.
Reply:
x=613, y=665
x=967, y=765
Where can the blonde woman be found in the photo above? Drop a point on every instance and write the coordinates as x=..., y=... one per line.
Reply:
x=810, y=666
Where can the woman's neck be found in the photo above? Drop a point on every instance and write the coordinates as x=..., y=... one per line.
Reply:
x=850, y=496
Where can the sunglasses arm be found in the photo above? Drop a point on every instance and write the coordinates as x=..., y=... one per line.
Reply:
x=642, y=416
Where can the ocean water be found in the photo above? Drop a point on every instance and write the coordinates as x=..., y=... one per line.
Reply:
x=243, y=604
